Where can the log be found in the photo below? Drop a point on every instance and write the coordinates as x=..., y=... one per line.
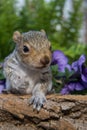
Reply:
x=68, y=112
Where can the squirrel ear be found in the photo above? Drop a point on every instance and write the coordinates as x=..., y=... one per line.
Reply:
x=17, y=37
x=43, y=31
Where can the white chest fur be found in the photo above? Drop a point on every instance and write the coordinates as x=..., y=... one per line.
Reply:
x=19, y=77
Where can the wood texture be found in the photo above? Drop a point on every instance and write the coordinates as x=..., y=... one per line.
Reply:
x=59, y=113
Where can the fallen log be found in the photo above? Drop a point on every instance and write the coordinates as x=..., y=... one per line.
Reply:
x=68, y=112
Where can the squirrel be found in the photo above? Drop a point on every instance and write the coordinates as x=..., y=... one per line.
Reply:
x=27, y=68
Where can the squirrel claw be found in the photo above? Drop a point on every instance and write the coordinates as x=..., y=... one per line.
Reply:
x=37, y=102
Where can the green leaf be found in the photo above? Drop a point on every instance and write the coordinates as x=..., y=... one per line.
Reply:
x=61, y=74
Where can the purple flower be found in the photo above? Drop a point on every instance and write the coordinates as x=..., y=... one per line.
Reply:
x=77, y=65
x=2, y=85
x=84, y=74
x=72, y=86
x=60, y=59
x=65, y=90
x=80, y=72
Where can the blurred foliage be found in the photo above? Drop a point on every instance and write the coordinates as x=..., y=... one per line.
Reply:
x=70, y=27
x=8, y=21
x=73, y=52
x=36, y=15
x=56, y=83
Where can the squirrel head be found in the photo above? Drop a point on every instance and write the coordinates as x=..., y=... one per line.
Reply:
x=33, y=48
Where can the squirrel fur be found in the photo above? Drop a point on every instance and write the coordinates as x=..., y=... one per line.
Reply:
x=27, y=68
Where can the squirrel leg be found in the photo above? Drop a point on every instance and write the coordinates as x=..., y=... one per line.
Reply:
x=38, y=96
x=15, y=84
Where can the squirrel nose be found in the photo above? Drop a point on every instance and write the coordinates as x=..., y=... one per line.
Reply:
x=45, y=60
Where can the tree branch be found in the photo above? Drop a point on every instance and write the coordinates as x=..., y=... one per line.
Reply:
x=67, y=112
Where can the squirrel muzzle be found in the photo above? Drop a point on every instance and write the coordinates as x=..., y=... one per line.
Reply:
x=45, y=60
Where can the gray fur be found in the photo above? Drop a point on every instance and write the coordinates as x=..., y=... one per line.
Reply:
x=25, y=80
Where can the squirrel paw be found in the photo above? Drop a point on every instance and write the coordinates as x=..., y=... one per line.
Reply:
x=38, y=101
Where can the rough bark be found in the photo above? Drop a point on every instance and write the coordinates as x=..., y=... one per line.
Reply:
x=59, y=113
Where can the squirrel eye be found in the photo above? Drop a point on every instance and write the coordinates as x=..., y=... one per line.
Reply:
x=25, y=49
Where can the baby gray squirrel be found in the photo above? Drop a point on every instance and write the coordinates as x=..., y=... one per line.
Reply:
x=27, y=68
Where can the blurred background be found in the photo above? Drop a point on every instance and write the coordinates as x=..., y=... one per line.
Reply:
x=65, y=22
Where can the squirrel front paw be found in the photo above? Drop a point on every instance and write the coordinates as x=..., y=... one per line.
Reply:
x=38, y=101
